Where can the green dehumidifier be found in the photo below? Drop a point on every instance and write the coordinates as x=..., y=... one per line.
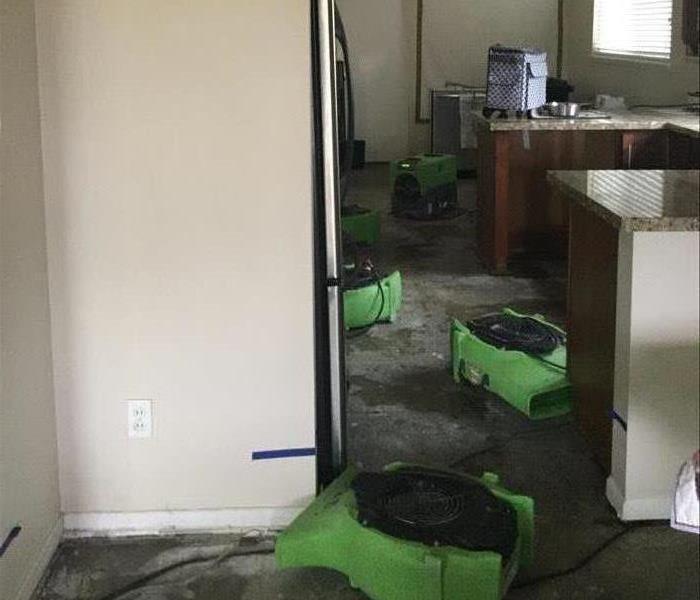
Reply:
x=413, y=533
x=521, y=358
x=425, y=187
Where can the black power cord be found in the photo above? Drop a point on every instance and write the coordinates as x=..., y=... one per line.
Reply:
x=521, y=333
x=363, y=277
x=585, y=561
x=150, y=577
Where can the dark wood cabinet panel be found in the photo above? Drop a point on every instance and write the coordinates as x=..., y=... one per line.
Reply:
x=645, y=149
x=683, y=151
x=516, y=208
x=592, y=299
x=660, y=149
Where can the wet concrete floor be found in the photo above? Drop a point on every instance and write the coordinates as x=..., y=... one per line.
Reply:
x=403, y=405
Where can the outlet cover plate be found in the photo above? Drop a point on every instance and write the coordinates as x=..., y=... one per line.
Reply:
x=140, y=418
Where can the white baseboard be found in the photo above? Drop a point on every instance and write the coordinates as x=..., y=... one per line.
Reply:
x=656, y=508
x=36, y=571
x=614, y=495
x=121, y=524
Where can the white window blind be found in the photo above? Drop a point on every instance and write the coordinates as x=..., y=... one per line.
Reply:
x=635, y=28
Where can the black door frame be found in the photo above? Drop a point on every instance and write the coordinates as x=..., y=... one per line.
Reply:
x=328, y=467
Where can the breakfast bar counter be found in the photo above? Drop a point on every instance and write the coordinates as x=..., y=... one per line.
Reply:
x=680, y=121
x=633, y=326
x=516, y=210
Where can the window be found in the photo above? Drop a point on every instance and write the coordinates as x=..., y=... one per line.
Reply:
x=633, y=28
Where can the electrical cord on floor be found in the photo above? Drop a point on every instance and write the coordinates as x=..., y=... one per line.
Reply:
x=380, y=287
x=509, y=439
x=154, y=575
x=584, y=562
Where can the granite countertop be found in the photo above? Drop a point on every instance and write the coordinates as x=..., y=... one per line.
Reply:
x=640, y=119
x=636, y=200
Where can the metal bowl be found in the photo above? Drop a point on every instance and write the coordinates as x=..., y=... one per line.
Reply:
x=561, y=110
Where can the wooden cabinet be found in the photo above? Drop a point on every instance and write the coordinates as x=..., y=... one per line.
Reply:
x=591, y=307
x=516, y=210
x=659, y=149
x=644, y=149
x=683, y=151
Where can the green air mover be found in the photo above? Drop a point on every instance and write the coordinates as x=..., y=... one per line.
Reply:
x=519, y=357
x=372, y=301
x=411, y=533
x=425, y=186
x=361, y=224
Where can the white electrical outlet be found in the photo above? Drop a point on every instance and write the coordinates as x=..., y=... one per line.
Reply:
x=140, y=418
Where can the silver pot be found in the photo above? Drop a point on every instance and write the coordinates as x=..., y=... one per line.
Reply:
x=568, y=109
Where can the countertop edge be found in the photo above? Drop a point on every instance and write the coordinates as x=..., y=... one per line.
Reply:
x=627, y=224
x=636, y=123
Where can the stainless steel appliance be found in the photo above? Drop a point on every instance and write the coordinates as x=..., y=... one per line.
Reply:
x=452, y=126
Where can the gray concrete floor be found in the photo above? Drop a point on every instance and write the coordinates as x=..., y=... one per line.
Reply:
x=404, y=406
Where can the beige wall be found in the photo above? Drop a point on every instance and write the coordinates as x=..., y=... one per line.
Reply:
x=457, y=35
x=380, y=40
x=28, y=469
x=178, y=190
x=639, y=82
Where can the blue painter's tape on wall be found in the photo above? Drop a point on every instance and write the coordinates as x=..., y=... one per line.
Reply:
x=14, y=532
x=286, y=453
x=616, y=417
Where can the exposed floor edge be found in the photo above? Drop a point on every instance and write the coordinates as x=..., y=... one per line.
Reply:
x=36, y=571
x=118, y=524
x=614, y=495
x=653, y=508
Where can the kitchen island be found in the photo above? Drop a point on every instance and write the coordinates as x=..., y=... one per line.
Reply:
x=516, y=209
x=633, y=327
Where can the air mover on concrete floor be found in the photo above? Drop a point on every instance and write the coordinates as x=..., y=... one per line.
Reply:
x=521, y=358
x=373, y=302
x=361, y=224
x=411, y=533
x=369, y=297
x=424, y=187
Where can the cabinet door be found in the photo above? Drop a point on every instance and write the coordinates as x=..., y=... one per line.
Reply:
x=683, y=151
x=645, y=149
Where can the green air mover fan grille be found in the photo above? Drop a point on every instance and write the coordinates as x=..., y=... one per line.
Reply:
x=329, y=534
x=518, y=332
x=520, y=358
x=436, y=508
